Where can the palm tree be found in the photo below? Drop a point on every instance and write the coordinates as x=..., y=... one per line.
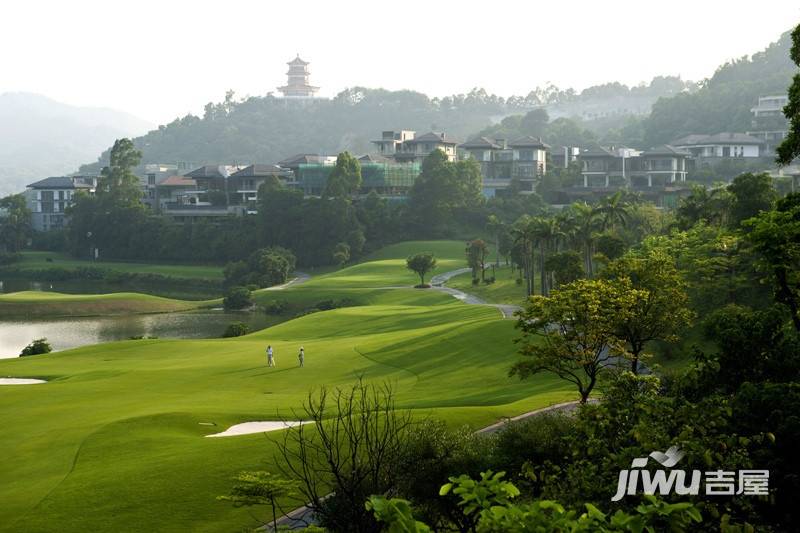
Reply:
x=547, y=232
x=524, y=238
x=585, y=223
x=494, y=226
x=613, y=210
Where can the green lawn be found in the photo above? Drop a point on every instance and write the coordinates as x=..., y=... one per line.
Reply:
x=503, y=291
x=114, y=442
x=39, y=260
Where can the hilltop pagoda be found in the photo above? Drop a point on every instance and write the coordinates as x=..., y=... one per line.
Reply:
x=297, y=85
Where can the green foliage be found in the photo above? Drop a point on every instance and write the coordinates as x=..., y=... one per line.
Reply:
x=237, y=298
x=566, y=267
x=37, y=347
x=265, y=267
x=15, y=223
x=443, y=189
x=723, y=102
x=236, y=329
x=491, y=500
x=571, y=333
x=260, y=488
x=789, y=149
x=421, y=264
x=341, y=254
x=345, y=178
x=659, y=307
x=750, y=195
x=477, y=253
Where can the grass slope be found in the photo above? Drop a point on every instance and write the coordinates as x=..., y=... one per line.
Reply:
x=503, y=291
x=114, y=443
x=39, y=260
x=40, y=304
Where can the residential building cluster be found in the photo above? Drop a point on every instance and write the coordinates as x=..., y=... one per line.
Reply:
x=187, y=191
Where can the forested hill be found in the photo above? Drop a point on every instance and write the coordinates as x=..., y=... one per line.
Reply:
x=723, y=101
x=268, y=129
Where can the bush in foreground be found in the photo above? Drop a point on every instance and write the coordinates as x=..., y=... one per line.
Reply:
x=37, y=347
x=236, y=329
x=238, y=298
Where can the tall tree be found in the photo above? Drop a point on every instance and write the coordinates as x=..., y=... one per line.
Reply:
x=15, y=223
x=750, y=195
x=613, y=211
x=659, y=307
x=495, y=227
x=571, y=332
x=789, y=149
x=776, y=236
x=477, y=252
x=421, y=263
x=118, y=186
x=345, y=179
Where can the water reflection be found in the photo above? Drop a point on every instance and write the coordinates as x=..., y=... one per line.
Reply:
x=73, y=332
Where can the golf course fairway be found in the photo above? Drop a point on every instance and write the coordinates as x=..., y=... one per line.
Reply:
x=118, y=429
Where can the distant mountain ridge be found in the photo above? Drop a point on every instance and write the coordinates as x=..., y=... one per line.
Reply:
x=40, y=137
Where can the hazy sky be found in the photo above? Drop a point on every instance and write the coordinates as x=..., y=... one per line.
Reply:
x=161, y=59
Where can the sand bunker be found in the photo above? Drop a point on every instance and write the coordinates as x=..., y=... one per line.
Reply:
x=20, y=381
x=257, y=427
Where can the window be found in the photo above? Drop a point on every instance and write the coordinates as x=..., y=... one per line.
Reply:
x=526, y=155
x=151, y=179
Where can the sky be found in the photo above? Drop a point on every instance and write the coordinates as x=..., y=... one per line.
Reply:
x=162, y=59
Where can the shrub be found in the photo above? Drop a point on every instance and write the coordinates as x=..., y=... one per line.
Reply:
x=489, y=280
x=238, y=298
x=236, y=329
x=276, y=307
x=476, y=281
x=38, y=346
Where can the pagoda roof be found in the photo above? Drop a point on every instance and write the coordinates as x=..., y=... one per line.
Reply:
x=298, y=61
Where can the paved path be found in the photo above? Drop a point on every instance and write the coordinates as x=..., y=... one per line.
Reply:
x=438, y=282
x=301, y=277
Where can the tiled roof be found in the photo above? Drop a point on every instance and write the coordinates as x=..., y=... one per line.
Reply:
x=432, y=137
x=666, y=149
x=257, y=171
x=528, y=142
x=177, y=181
x=59, y=182
x=480, y=142
x=718, y=138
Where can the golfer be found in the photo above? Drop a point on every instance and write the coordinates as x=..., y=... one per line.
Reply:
x=270, y=358
x=301, y=356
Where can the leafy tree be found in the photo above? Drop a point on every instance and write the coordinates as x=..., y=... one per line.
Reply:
x=789, y=149
x=118, y=185
x=571, y=332
x=15, y=223
x=237, y=298
x=261, y=488
x=609, y=247
x=659, y=303
x=341, y=253
x=37, y=347
x=775, y=235
x=566, y=267
x=443, y=189
x=236, y=329
x=703, y=204
x=477, y=252
x=750, y=195
x=421, y=263
x=345, y=178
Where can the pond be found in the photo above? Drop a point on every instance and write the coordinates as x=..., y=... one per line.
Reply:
x=74, y=332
